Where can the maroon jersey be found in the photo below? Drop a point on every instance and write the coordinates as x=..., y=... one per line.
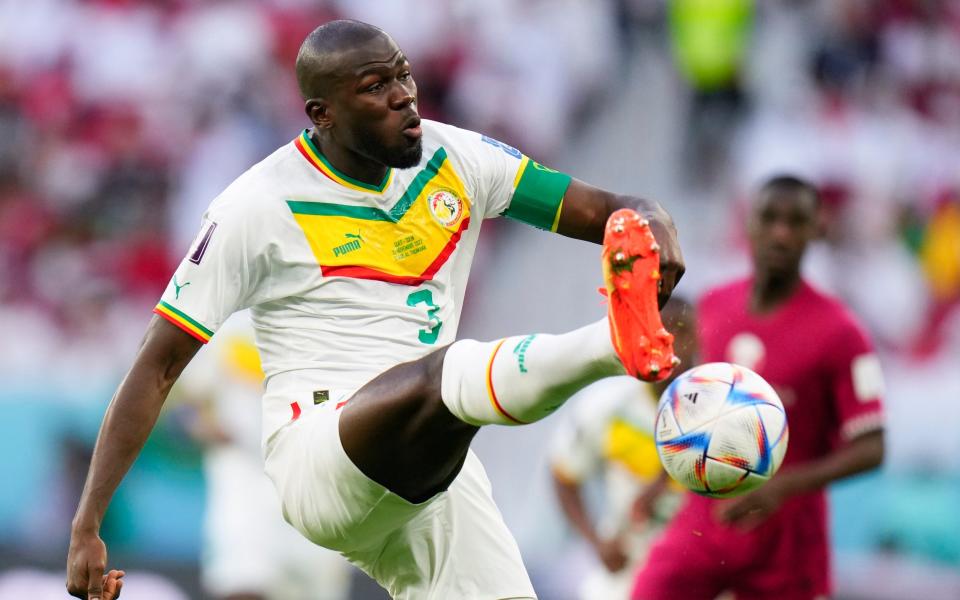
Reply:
x=811, y=350
x=820, y=362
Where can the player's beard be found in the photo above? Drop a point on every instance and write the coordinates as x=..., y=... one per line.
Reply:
x=407, y=154
x=410, y=157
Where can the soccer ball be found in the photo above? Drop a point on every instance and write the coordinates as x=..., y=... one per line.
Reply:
x=721, y=430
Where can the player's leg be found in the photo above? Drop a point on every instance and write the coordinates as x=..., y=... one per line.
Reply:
x=458, y=546
x=455, y=545
x=396, y=430
x=409, y=429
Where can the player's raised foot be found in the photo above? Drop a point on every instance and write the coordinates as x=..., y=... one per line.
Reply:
x=631, y=273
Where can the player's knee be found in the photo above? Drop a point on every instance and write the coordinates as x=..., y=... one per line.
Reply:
x=405, y=398
x=398, y=431
x=418, y=382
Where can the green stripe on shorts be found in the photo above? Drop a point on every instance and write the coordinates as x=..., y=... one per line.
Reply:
x=536, y=200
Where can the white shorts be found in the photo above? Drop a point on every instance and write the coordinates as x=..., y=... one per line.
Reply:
x=454, y=545
x=247, y=546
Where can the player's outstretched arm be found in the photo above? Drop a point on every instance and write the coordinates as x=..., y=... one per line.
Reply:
x=584, y=216
x=132, y=413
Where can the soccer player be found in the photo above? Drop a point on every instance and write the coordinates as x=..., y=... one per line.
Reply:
x=773, y=542
x=351, y=246
x=610, y=436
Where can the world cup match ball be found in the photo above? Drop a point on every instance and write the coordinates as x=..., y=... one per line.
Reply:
x=721, y=430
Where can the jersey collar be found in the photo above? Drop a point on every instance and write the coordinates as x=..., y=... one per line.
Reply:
x=309, y=151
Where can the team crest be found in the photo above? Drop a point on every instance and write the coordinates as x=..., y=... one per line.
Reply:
x=445, y=206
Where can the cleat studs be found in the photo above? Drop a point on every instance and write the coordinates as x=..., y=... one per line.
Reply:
x=644, y=222
x=620, y=258
x=675, y=361
x=618, y=228
x=654, y=247
x=654, y=368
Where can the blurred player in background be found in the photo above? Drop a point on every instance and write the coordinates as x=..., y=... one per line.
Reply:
x=351, y=245
x=610, y=435
x=249, y=552
x=773, y=542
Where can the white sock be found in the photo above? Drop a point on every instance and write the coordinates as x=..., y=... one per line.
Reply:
x=522, y=379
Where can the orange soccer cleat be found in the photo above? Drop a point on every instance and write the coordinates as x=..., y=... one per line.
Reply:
x=631, y=272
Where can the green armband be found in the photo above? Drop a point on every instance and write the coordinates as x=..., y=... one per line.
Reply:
x=538, y=195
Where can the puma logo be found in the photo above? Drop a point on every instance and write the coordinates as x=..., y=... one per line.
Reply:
x=352, y=245
x=177, y=287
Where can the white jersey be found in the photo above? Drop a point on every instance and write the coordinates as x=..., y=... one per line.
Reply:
x=345, y=279
x=610, y=433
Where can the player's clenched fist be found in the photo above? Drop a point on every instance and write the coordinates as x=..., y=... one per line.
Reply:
x=86, y=562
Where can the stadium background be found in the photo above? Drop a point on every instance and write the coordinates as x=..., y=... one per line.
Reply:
x=121, y=119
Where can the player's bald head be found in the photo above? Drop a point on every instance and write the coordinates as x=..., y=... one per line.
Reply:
x=320, y=62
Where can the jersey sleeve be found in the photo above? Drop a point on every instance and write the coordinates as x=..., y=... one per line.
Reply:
x=509, y=183
x=856, y=381
x=218, y=276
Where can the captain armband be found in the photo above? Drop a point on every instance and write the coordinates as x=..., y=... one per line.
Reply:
x=538, y=195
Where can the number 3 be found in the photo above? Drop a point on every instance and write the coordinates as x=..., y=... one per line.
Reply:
x=430, y=334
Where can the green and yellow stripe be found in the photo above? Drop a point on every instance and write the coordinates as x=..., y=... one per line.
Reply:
x=538, y=195
x=326, y=225
x=183, y=321
x=309, y=151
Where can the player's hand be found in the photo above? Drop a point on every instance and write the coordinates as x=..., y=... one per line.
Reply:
x=672, y=265
x=611, y=554
x=112, y=584
x=754, y=508
x=86, y=562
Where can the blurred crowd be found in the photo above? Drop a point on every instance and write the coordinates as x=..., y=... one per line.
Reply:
x=863, y=98
x=121, y=119
x=874, y=119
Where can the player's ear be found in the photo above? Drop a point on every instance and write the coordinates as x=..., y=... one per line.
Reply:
x=320, y=113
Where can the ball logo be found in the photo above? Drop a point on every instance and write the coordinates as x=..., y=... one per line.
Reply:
x=445, y=206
